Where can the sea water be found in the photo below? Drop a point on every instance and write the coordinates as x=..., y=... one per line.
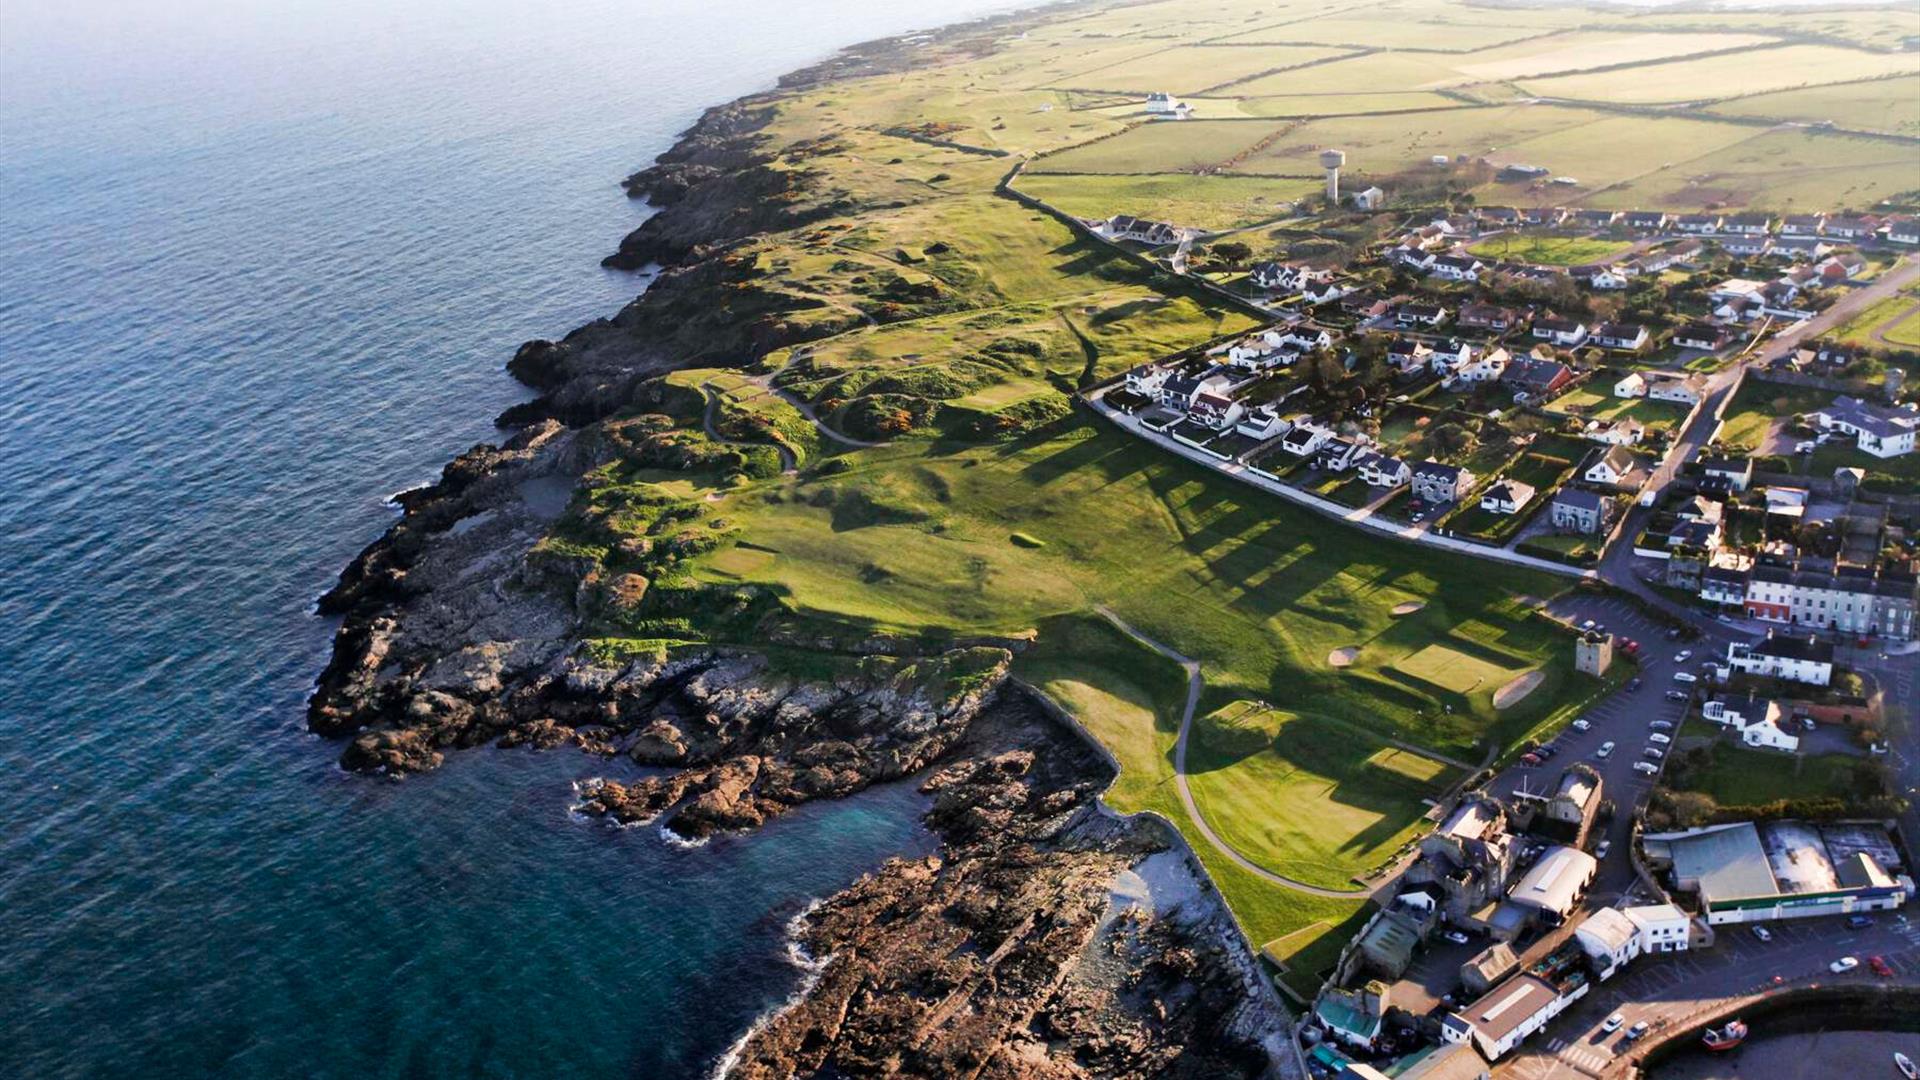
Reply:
x=260, y=265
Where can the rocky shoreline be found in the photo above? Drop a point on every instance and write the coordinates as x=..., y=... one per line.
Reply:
x=1020, y=949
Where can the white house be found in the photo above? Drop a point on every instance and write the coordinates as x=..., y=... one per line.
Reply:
x=1566, y=333
x=1147, y=379
x=1322, y=292
x=1625, y=431
x=1216, y=411
x=1605, y=278
x=1379, y=470
x=1305, y=438
x=1686, y=389
x=1881, y=430
x=1163, y=103
x=1262, y=422
x=1301, y=336
x=1633, y=386
x=1506, y=496
x=1369, y=199
x=1613, y=467
x=1904, y=231
x=1486, y=367
x=1660, y=927
x=1457, y=268
x=1625, y=337
x=1420, y=315
x=1759, y=721
x=1805, y=660
x=1407, y=354
x=1413, y=257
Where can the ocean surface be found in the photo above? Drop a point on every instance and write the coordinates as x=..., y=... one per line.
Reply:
x=260, y=266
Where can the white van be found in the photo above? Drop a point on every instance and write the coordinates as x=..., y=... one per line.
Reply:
x=1685, y=677
x=1659, y=739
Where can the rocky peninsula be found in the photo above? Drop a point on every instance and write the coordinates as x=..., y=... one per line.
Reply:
x=526, y=599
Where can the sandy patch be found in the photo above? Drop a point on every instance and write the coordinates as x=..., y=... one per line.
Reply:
x=1510, y=694
x=1343, y=657
x=1411, y=607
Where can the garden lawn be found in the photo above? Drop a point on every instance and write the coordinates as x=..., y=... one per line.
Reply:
x=1740, y=776
x=1752, y=412
x=1548, y=250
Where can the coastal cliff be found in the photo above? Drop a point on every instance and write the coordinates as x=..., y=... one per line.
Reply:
x=533, y=597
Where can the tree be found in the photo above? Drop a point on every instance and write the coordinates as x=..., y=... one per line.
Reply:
x=1232, y=252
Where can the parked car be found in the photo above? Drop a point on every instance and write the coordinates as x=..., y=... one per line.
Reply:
x=1806, y=723
x=1844, y=965
x=1546, y=752
x=1877, y=749
x=1633, y=684
x=1658, y=739
x=1613, y=1023
x=1880, y=966
x=1660, y=725
x=1859, y=922
x=1673, y=633
x=1653, y=752
x=1601, y=851
x=1606, y=750
x=1683, y=656
x=1646, y=767
x=1582, y=725
x=1634, y=1032
x=1588, y=625
x=1763, y=933
x=1530, y=759
x=1676, y=695
x=1685, y=677
x=1630, y=646
x=1457, y=937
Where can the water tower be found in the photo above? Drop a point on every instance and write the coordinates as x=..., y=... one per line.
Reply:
x=1331, y=160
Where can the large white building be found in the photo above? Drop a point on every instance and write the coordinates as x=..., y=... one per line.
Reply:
x=1884, y=431
x=1745, y=872
x=1785, y=656
x=1760, y=722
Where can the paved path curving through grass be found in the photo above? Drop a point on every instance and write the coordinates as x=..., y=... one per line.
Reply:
x=1194, y=685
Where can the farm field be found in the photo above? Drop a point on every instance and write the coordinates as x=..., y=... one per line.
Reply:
x=1718, y=77
x=1386, y=144
x=1359, y=75
x=1616, y=149
x=1186, y=146
x=1212, y=203
x=1307, y=105
x=1316, y=799
x=1582, y=51
x=1533, y=247
x=1189, y=69
x=1870, y=27
x=1778, y=170
x=1386, y=29
x=1890, y=105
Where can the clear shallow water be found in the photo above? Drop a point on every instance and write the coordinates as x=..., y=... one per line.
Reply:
x=259, y=268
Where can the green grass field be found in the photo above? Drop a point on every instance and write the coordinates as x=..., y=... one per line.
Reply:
x=1890, y=105
x=1316, y=799
x=1452, y=670
x=1213, y=203
x=1886, y=316
x=1758, y=404
x=1720, y=77
x=1190, y=69
x=1583, y=51
x=1780, y=170
x=1548, y=250
x=1739, y=776
x=1159, y=147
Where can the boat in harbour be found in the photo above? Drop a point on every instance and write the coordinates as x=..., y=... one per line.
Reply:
x=1726, y=1036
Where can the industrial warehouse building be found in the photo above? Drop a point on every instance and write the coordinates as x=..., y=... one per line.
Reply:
x=1747, y=872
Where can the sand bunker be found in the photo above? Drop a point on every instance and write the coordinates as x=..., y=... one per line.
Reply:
x=1511, y=693
x=1343, y=657
x=1411, y=607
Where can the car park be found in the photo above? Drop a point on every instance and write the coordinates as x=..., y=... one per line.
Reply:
x=1646, y=767
x=1613, y=1023
x=1762, y=933
x=1659, y=739
x=1605, y=751
x=1844, y=965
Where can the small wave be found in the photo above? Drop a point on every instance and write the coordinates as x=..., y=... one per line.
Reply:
x=675, y=840
x=393, y=500
x=810, y=972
